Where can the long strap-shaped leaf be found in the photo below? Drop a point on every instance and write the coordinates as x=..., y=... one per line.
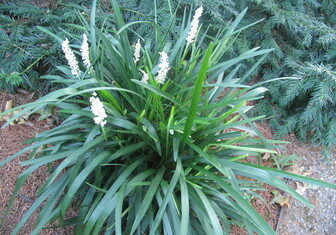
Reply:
x=255, y=217
x=184, y=205
x=197, y=92
x=168, y=196
x=211, y=212
x=105, y=206
x=147, y=199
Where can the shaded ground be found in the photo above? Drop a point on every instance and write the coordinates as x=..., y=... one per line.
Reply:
x=299, y=219
x=295, y=218
x=11, y=140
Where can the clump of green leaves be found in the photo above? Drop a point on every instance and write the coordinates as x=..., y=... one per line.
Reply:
x=301, y=32
x=169, y=158
x=26, y=53
x=303, y=35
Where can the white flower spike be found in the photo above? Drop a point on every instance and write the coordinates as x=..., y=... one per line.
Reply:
x=137, y=50
x=194, y=25
x=98, y=110
x=145, y=76
x=71, y=58
x=163, y=68
x=85, y=52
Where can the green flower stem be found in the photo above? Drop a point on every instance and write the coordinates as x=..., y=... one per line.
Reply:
x=185, y=52
x=104, y=133
x=197, y=93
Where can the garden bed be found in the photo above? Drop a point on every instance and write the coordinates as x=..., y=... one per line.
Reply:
x=294, y=217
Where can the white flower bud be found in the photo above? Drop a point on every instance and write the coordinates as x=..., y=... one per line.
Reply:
x=194, y=25
x=98, y=110
x=163, y=68
x=137, y=50
x=71, y=58
x=85, y=52
x=145, y=76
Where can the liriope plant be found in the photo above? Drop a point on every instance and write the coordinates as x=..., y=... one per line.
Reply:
x=155, y=135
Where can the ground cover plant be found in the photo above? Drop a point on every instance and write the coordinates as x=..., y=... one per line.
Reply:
x=301, y=32
x=303, y=35
x=154, y=135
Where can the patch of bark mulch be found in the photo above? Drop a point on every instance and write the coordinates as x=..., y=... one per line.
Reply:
x=295, y=217
x=269, y=210
x=11, y=141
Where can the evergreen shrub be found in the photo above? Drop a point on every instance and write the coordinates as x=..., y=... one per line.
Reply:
x=26, y=53
x=303, y=36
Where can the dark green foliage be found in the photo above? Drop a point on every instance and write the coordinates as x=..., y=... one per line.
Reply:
x=158, y=167
x=167, y=159
x=25, y=52
x=303, y=35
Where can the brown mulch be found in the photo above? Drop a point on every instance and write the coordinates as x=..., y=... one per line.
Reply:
x=295, y=217
x=11, y=141
x=270, y=212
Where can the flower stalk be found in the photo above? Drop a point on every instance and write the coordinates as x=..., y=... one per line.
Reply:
x=137, y=50
x=163, y=68
x=98, y=110
x=194, y=25
x=86, y=53
x=71, y=58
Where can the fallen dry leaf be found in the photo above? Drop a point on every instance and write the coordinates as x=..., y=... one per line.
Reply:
x=266, y=156
x=280, y=199
x=9, y=105
x=295, y=169
x=301, y=188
